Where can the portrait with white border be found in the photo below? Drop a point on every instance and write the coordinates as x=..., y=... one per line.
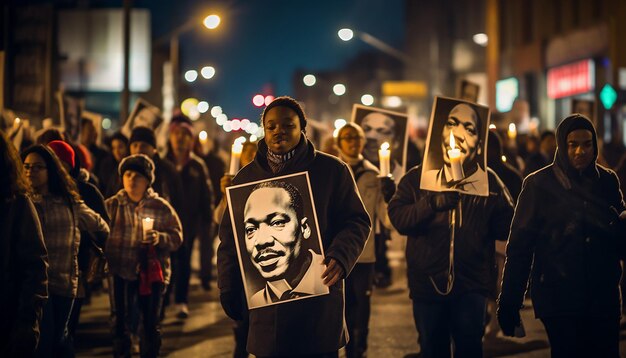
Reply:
x=279, y=246
x=456, y=158
x=380, y=126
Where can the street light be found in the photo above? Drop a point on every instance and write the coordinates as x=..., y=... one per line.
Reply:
x=481, y=39
x=191, y=76
x=208, y=72
x=367, y=99
x=211, y=22
x=339, y=89
x=347, y=34
x=309, y=80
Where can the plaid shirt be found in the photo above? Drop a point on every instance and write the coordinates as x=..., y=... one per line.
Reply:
x=124, y=243
x=61, y=225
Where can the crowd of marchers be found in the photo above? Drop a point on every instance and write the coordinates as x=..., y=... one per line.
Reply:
x=552, y=227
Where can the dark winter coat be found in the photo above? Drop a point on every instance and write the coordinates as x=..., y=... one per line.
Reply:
x=196, y=204
x=484, y=220
x=23, y=277
x=564, y=221
x=314, y=325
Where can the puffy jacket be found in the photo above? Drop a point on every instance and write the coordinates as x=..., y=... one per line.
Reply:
x=566, y=222
x=484, y=220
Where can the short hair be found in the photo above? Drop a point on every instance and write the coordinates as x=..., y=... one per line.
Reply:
x=288, y=102
x=295, y=198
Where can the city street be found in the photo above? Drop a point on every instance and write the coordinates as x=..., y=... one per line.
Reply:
x=207, y=332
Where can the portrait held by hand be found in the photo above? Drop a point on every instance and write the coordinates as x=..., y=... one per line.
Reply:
x=280, y=251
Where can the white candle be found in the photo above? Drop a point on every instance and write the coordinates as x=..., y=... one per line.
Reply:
x=455, y=160
x=383, y=157
x=512, y=132
x=204, y=141
x=147, y=224
x=235, y=155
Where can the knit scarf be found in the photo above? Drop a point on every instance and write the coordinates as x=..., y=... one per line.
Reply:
x=278, y=161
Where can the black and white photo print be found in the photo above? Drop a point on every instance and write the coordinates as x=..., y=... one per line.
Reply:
x=380, y=126
x=277, y=238
x=455, y=158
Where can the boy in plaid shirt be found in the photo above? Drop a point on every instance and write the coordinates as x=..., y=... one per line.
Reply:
x=139, y=256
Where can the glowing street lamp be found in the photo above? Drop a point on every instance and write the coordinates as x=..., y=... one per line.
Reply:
x=309, y=80
x=191, y=76
x=345, y=34
x=212, y=22
x=339, y=89
x=367, y=99
x=481, y=39
x=207, y=72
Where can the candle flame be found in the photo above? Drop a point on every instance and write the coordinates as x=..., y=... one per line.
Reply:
x=452, y=141
x=147, y=219
x=512, y=128
x=384, y=146
x=237, y=147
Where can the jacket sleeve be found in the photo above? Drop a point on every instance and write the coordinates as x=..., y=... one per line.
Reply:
x=520, y=248
x=355, y=224
x=89, y=220
x=32, y=259
x=500, y=220
x=170, y=229
x=409, y=208
x=228, y=272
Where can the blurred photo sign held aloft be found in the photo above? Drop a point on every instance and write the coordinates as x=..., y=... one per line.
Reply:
x=278, y=241
x=455, y=158
x=382, y=126
x=144, y=114
x=70, y=114
x=467, y=91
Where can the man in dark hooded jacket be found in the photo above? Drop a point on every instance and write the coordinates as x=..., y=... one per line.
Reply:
x=568, y=219
x=315, y=326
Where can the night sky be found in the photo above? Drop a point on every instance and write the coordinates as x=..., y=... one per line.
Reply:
x=259, y=44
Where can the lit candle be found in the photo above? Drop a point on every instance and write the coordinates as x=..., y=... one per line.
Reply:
x=147, y=224
x=455, y=160
x=235, y=155
x=512, y=132
x=204, y=141
x=383, y=156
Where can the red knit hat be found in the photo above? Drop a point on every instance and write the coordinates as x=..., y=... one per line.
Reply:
x=64, y=151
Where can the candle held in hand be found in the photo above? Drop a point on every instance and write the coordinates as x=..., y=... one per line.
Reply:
x=147, y=224
x=235, y=155
x=383, y=156
x=455, y=160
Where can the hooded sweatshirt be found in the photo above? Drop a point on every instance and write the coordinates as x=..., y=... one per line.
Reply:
x=566, y=226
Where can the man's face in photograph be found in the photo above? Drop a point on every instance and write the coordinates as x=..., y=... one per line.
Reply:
x=273, y=232
x=463, y=124
x=379, y=128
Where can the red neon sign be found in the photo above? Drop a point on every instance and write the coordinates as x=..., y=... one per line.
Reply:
x=572, y=79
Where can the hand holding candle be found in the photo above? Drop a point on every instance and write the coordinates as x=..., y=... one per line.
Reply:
x=383, y=156
x=455, y=160
x=147, y=224
x=235, y=155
